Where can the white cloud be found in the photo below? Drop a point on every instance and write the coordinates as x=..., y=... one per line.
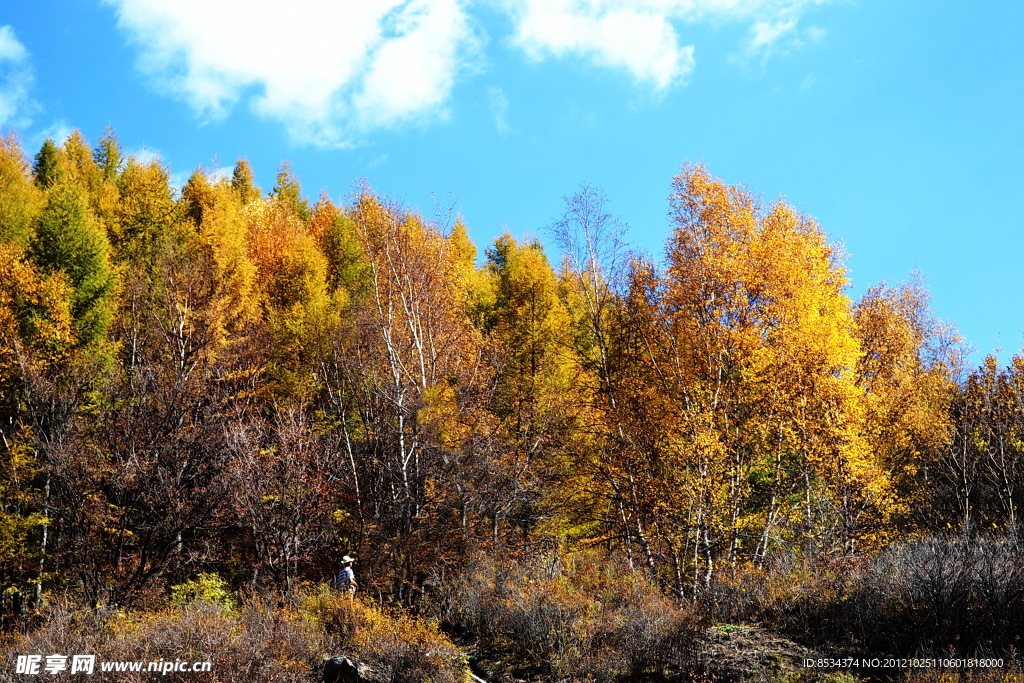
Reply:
x=330, y=70
x=816, y=34
x=16, y=104
x=333, y=71
x=782, y=34
x=642, y=36
x=765, y=34
x=178, y=179
x=498, y=103
x=58, y=131
x=218, y=174
x=11, y=48
x=635, y=37
x=146, y=156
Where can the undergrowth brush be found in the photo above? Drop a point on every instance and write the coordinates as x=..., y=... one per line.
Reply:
x=252, y=638
x=571, y=617
x=937, y=596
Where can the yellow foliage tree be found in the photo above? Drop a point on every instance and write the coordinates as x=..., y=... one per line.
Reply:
x=20, y=199
x=907, y=370
x=418, y=353
x=743, y=389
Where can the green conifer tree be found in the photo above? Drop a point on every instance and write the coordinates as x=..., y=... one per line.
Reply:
x=47, y=164
x=68, y=240
x=196, y=196
x=107, y=155
x=288, y=192
x=20, y=199
x=243, y=183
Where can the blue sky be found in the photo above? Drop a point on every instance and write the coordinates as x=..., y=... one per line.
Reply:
x=898, y=125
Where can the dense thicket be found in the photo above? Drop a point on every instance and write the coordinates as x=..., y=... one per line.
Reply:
x=222, y=381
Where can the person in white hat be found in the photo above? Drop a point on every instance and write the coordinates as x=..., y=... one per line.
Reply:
x=346, y=580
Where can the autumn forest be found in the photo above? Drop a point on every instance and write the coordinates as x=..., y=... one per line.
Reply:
x=561, y=462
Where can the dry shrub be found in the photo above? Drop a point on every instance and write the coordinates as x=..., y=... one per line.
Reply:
x=254, y=642
x=258, y=641
x=398, y=648
x=803, y=599
x=943, y=594
x=928, y=597
x=1007, y=674
x=572, y=616
x=750, y=592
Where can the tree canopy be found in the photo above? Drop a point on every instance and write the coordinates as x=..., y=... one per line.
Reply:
x=218, y=380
